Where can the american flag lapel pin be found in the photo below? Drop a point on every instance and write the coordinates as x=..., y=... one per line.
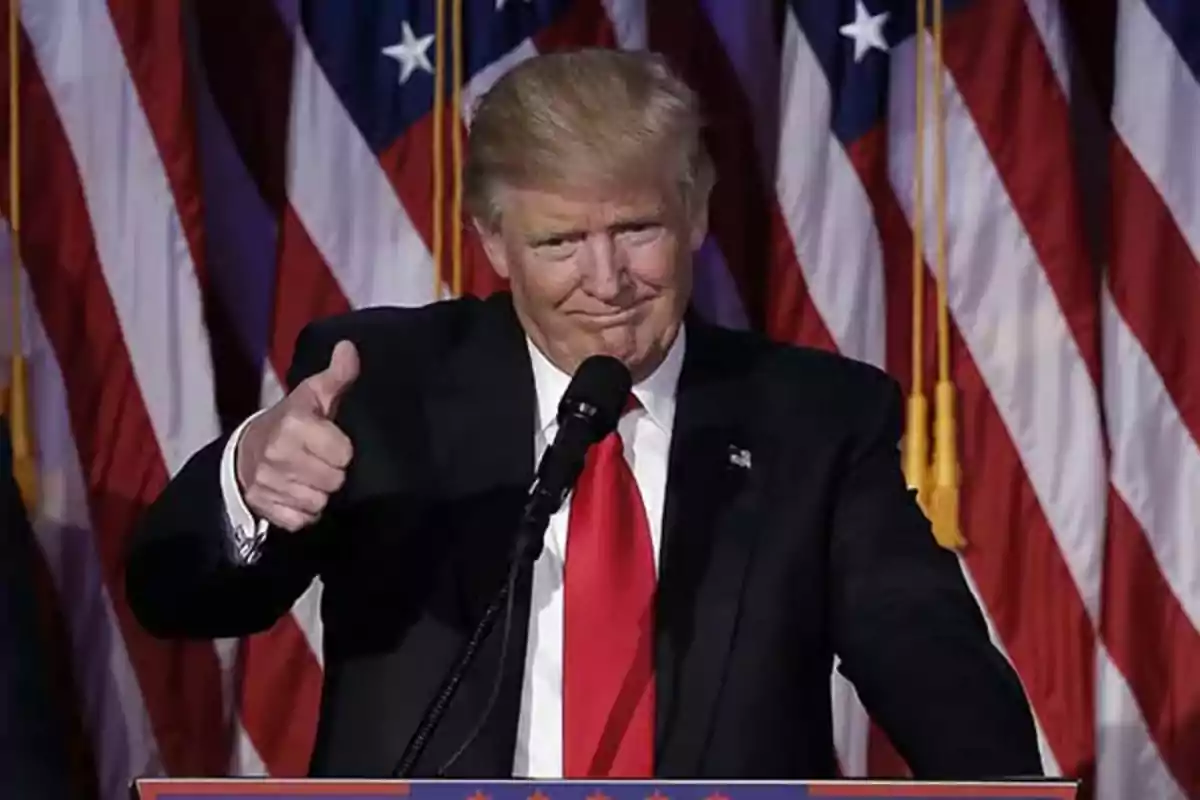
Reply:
x=739, y=457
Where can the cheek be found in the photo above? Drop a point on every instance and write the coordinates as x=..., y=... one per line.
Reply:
x=546, y=284
x=656, y=264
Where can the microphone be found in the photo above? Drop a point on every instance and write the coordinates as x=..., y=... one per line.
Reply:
x=589, y=410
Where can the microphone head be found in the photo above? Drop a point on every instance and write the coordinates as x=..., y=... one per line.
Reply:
x=597, y=395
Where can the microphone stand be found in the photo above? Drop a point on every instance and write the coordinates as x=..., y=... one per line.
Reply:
x=541, y=504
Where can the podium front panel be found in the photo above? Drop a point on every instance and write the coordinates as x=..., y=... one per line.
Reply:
x=256, y=789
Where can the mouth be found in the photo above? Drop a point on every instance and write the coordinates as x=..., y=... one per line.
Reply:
x=612, y=318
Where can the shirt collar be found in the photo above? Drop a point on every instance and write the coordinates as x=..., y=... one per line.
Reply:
x=656, y=392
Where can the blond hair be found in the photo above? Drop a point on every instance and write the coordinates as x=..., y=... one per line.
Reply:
x=592, y=117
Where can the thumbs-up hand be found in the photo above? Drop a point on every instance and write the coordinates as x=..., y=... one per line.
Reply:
x=293, y=457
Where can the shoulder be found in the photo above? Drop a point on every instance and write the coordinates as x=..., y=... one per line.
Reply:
x=394, y=336
x=792, y=387
x=796, y=373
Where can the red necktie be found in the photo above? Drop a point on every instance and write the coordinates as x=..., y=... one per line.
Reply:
x=608, y=623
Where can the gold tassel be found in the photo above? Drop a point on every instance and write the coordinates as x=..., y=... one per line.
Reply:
x=18, y=411
x=943, y=507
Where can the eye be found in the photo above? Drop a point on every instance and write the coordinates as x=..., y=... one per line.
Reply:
x=557, y=247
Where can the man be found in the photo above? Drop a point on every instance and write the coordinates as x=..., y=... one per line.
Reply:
x=764, y=524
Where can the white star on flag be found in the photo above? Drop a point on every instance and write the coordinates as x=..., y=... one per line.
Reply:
x=866, y=31
x=410, y=52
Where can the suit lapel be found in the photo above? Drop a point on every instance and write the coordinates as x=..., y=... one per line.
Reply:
x=709, y=527
x=481, y=426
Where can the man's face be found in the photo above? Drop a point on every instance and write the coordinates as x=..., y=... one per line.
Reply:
x=597, y=272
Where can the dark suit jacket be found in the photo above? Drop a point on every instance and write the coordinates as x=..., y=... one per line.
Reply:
x=765, y=572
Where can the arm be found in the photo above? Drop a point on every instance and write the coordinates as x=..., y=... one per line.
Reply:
x=911, y=638
x=190, y=569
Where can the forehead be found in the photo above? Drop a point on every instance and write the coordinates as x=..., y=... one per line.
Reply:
x=531, y=210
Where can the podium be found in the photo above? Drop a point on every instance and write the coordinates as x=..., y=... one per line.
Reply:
x=282, y=789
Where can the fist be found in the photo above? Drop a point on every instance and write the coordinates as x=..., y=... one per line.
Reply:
x=292, y=457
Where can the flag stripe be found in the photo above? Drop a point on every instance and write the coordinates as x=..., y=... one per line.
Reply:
x=821, y=197
x=1152, y=393
x=1032, y=477
x=110, y=418
x=1142, y=616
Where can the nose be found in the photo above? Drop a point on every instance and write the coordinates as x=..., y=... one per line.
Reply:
x=604, y=268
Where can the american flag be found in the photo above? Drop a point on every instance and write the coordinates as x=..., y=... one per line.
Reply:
x=198, y=180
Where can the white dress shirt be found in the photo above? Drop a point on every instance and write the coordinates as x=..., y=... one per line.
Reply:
x=646, y=435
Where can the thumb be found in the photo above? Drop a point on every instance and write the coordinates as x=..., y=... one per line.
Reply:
x=329, y=385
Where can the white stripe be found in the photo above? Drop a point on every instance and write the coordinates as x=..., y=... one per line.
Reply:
x=629, y=22
x=1128, y=764
x=112, y=706
x=851, y=726
x=485, y=78
x=1156, y=111
x=1053, y=31
x=140, y=240
x=827, y=211
x=1155, y=461
x=344, y=200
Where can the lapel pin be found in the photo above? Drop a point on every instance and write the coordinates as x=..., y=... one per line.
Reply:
x=739, y=457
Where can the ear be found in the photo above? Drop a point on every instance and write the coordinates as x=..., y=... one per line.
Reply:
x=699, y=226
x=493, y=246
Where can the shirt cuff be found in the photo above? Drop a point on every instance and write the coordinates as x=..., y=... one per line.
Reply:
x=246, y=533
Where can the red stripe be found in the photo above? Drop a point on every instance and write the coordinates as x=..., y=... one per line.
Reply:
x=1155, y=282
x=1006, y=80
x=122, y=466
x=305, y=289
x=1153, y=643
x=990, y=49
x=152, y=38
x=883, y=760
x=790, y=314
x=281, y=698
x=741, y=222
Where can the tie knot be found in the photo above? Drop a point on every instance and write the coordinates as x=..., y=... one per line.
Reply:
x=631, y=404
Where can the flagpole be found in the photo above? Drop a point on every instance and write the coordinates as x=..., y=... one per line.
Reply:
x=18, y=406
x=456, y=216
x=944, y=500
x=916, y=437
x=439, y=102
